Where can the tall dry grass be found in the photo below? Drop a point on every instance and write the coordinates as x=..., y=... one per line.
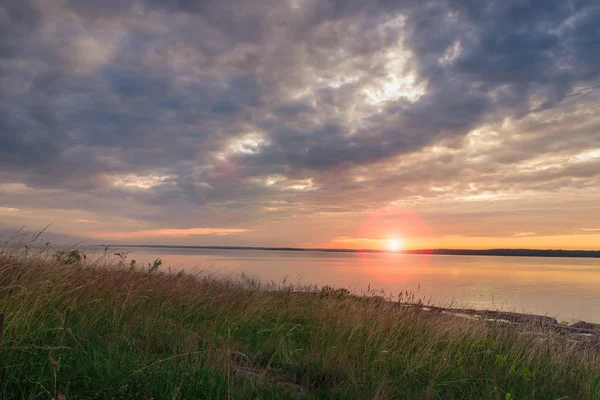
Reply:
x=95, y=327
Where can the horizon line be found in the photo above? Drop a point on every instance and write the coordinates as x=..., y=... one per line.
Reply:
x=523, y=252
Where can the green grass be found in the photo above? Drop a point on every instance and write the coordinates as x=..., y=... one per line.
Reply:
x=76, y=328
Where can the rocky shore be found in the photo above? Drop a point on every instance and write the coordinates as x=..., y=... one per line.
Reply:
x=581, y=331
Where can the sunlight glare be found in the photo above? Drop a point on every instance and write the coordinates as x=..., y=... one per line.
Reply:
x=395, y=244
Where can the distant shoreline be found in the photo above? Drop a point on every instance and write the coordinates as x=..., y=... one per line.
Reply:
x=447, y=252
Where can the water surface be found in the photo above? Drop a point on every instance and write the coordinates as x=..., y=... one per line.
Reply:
x=565, y=288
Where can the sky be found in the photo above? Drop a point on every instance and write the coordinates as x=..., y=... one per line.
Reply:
x=311, y=123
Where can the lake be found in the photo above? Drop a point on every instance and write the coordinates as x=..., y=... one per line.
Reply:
x=565, y=288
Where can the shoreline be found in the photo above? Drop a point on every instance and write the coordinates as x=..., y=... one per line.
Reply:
x=582, y=331
x=588, y=331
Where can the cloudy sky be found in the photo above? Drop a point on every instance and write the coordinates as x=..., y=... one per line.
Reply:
x=340, y=123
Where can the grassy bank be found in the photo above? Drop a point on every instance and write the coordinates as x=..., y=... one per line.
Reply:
x=77, y=328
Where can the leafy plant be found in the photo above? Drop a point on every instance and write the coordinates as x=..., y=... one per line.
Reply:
x=331, y=291
x=69, y=257
x=154, y=266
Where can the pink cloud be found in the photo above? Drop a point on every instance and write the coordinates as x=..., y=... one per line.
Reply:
x=167, y=233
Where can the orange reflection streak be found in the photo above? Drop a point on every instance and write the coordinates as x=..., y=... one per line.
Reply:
x=383, y=224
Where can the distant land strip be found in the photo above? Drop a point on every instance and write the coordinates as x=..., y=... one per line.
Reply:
x=449, y=252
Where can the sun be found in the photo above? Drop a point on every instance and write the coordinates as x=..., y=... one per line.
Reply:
x=395, y=244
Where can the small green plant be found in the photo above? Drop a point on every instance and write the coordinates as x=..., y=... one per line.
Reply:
x=525, y=373
x=69, y=257
x=154, y=266
x=331, y=291
x=508, y=396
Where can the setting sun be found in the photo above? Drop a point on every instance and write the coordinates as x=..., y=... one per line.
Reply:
x=395, y=244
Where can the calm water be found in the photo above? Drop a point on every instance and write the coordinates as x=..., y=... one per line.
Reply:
x=565, y=288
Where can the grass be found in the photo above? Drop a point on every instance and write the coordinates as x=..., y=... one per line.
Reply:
x=78, y=328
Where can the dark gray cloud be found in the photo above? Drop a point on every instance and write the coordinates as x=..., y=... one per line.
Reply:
x=235, y=106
